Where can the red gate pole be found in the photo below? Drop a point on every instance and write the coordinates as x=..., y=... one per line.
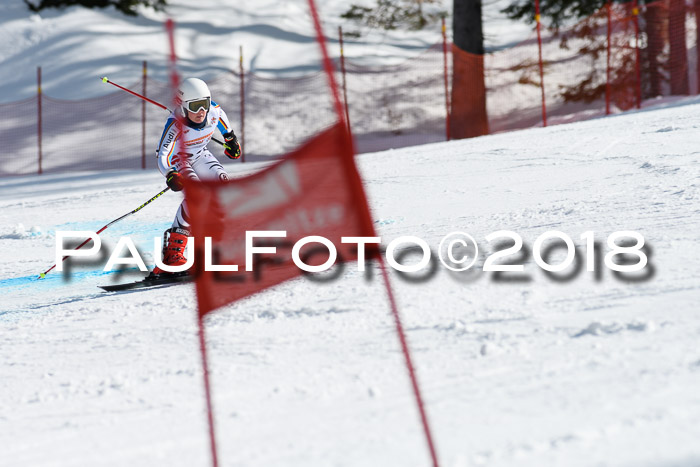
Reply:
x=447, y=87
x=207, y=390
x=39, y=125
x=607, y=68
x=143, y=118
x=242, y=105
x=539, y=48
x=345, y=89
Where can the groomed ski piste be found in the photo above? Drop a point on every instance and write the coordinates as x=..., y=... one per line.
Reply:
x=581, y=372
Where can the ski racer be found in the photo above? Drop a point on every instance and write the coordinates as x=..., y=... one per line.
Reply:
x=201, y=117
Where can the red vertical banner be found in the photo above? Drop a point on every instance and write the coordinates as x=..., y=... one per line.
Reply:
x=541, y=61
x=39, y=117
x=143, y=116
x=447, y=86
x=242, y=73
x=342, y=70
x=609, y=53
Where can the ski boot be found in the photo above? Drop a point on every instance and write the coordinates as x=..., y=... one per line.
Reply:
x=174, y=243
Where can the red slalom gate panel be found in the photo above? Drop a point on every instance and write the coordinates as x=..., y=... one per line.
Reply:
x=311, y=183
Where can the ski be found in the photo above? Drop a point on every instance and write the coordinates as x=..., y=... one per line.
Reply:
x=157, y=281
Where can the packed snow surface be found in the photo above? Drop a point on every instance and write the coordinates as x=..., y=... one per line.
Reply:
x=537, y=372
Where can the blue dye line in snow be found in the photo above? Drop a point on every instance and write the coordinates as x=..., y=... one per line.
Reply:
x=52, y=280
x=33, y=285
x=141, y=234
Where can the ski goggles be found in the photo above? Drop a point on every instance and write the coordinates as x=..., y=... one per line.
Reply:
x=197, y=104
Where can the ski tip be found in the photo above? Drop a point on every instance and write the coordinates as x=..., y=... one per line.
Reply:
x=42, y=275
x=105, y=80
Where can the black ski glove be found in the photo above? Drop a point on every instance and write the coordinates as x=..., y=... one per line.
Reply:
x=231, y=146
x=175, y=180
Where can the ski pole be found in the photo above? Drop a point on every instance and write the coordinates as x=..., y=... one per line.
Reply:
x=43, y=274
x=106, y=80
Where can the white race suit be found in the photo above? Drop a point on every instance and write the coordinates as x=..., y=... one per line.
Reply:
x=192, y=159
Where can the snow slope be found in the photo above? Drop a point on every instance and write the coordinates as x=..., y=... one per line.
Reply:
x=538, y=373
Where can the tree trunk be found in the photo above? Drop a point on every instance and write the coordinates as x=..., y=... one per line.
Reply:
x=654, y=25
x=696, y=5
x=469, y=117
x=678, y=55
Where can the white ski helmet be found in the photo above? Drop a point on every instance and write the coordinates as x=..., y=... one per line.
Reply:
x=193, y=90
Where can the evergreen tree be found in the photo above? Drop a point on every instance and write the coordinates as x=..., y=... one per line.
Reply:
x=662, y=25
x=557, y=12
x=678, y=52
x=395, y=14
x=128, y=7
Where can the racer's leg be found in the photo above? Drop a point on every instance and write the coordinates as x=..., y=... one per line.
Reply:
x=203, y=166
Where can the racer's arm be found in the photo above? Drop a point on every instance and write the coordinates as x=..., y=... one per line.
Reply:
x=232, y=148
x=166, y=147
x=222, y=124
x=167, y=160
